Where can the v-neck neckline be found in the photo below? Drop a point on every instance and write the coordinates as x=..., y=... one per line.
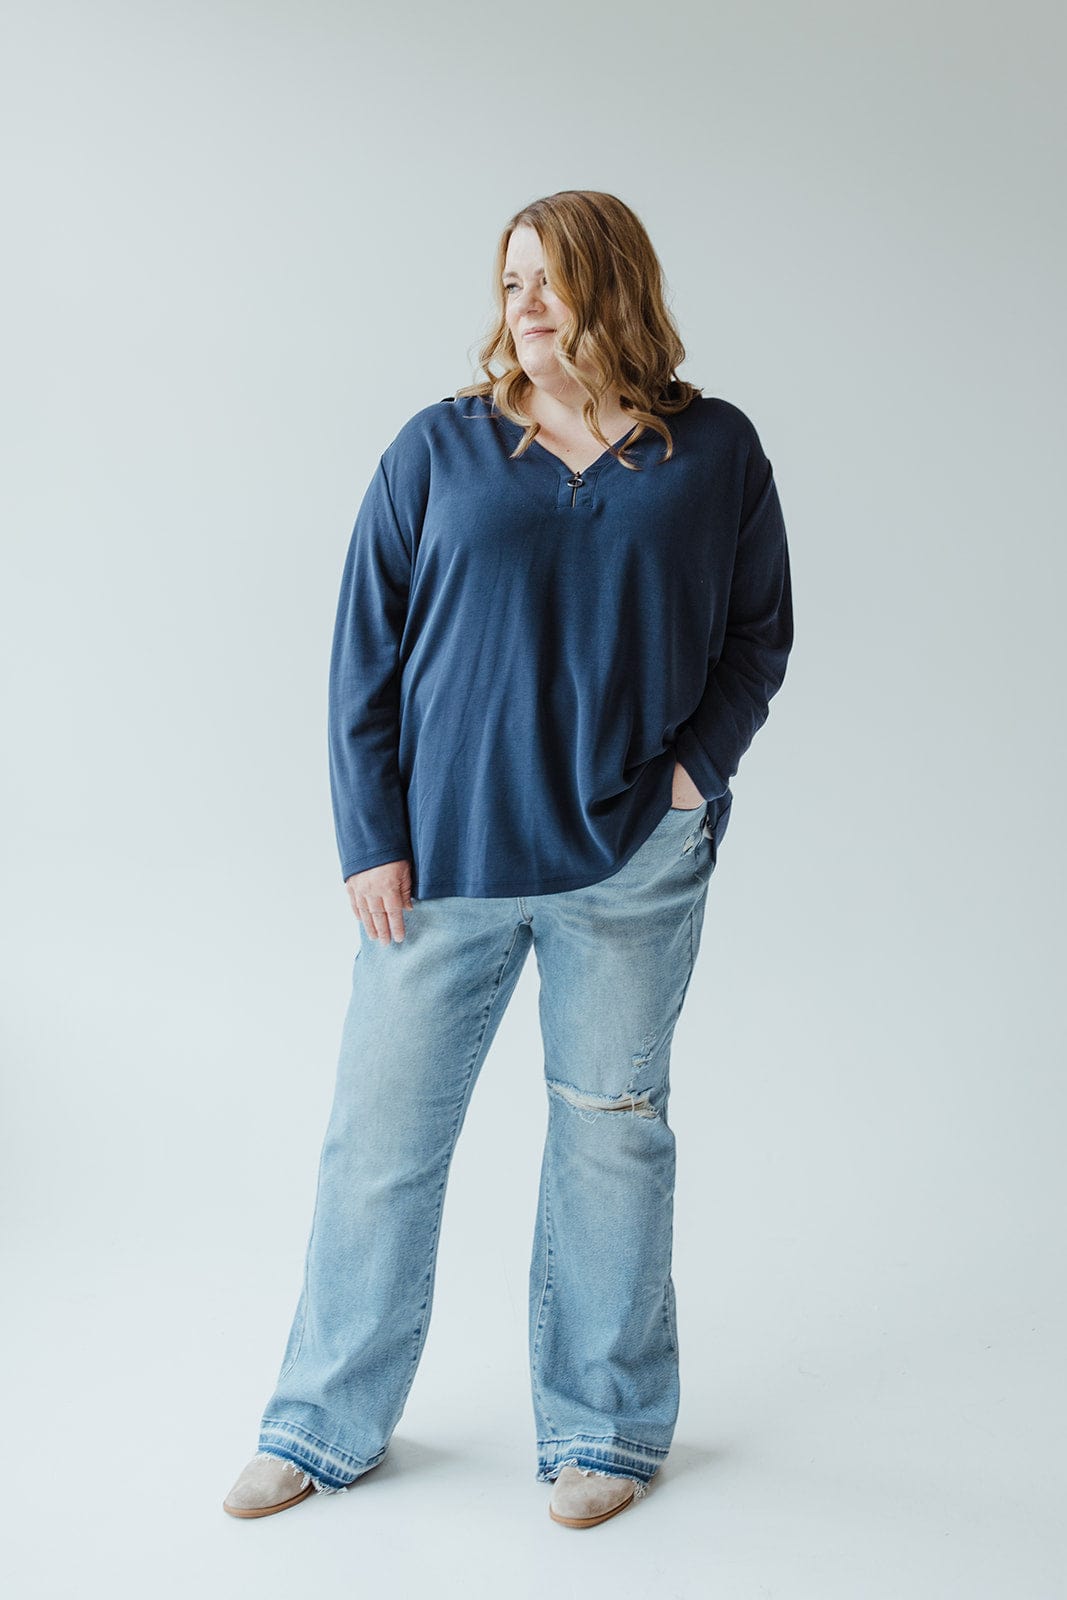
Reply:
x=581, y=471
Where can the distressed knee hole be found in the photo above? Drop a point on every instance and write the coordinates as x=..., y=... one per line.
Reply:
x=638, y=1105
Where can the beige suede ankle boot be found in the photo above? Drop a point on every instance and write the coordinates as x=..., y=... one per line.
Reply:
x=267, y=1485
x=581, y=1500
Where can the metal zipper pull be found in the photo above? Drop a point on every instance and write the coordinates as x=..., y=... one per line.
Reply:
x=574, y=483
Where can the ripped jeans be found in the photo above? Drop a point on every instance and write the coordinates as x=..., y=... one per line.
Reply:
x=615, y=959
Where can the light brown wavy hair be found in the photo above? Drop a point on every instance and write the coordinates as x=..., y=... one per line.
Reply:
x=600, y=261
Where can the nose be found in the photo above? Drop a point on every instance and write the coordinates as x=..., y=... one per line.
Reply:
x=528, y=299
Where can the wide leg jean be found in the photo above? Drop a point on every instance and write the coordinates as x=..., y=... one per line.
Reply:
x=615, y=959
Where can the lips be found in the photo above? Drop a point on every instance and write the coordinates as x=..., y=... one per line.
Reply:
x=531, y=332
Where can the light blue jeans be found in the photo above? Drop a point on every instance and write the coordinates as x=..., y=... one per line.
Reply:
x=615, y=959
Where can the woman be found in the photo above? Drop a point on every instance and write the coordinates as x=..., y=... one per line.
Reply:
x=565, y=607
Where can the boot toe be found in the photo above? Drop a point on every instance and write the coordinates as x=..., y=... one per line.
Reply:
x=266, y=1485
x=580, y=1499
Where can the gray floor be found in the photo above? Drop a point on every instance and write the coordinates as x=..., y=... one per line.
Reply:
x=832, y=1441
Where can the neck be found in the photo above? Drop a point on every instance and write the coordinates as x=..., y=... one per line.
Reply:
x=559, y=407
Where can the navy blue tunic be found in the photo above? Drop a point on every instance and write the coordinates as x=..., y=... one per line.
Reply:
x=521, y=653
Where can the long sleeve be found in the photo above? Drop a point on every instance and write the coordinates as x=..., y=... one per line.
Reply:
x=369, y=805
x=519, y=653
x=756, y=643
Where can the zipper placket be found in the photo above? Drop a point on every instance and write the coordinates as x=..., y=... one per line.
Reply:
x=574, y=483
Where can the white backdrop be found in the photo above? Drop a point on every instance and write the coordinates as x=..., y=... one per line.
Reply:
x=244, y=242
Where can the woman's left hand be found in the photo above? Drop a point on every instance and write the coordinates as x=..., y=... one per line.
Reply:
x=685, y=795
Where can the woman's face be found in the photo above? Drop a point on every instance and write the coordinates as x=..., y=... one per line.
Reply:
x=530, y=304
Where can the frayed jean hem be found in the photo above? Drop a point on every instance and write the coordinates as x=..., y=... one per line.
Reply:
x=612, y=1457
x=329, y=1468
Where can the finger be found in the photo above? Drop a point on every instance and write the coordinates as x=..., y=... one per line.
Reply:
x=396, y=921
x=387, y=915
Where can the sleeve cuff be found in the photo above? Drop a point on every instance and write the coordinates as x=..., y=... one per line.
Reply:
x=691, y=753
